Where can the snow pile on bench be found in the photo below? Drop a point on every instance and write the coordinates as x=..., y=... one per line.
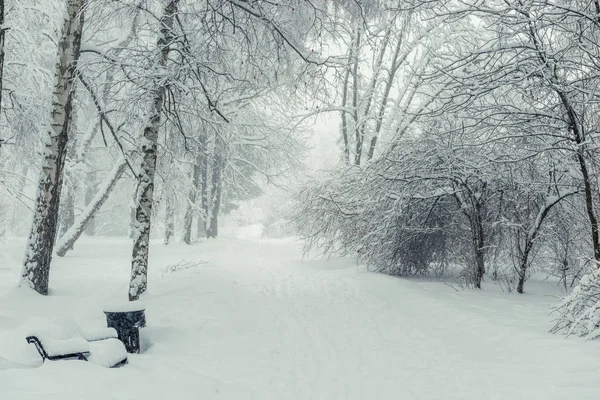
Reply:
x=65, y=337
x=92, y=335
x=60, y=347
x=107, y=353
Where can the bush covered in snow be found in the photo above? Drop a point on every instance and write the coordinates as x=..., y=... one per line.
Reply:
x=580, y=311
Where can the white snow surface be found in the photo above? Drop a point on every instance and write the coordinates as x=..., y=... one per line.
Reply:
x=62, y=347
x=257, y=322
x=107, y=352
x=92, y=335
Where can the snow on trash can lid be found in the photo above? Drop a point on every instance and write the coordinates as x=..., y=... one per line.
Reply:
x=126, y=306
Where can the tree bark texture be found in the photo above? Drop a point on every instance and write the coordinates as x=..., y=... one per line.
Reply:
x=145, y=186
x=38, y=253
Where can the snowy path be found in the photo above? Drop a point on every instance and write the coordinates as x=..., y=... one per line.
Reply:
x=255, y=322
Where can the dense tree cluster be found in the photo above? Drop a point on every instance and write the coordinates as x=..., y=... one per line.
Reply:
x=489, y=163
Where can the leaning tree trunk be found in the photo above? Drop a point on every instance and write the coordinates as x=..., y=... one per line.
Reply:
x=145, y=187
x=38, y=253
x=67, y=241
x=580, y=141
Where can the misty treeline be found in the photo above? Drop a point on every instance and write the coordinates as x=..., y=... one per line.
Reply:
x=466, y=139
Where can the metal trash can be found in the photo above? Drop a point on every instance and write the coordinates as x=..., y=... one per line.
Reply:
x=127, y=324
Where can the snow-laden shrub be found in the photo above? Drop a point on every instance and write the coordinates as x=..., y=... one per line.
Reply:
x=580, y=311
x=367, y=216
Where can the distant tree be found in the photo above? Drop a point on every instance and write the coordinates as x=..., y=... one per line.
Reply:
x=2, y=39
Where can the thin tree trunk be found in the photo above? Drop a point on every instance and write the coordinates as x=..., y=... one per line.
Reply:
x=216, y=186
x=38, y=253
x=479, y=243
x=531, y=236
x=67, y=241
x=373, y=85
x=67, y=202
x=67, y=209
x=213, y=227
x=192, y=199
x=589, y=203
x=346, y=83
x=145, y=188
x=169, y=219
x=204, y=217
x=2, y=45
x=471, y=209
x=188, y=219
x=200, y=226
x=90, y=192
x=359, y=144
x=22, y=182
x=579, y=136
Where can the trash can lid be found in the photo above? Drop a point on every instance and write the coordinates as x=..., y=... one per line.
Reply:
x=128, y=306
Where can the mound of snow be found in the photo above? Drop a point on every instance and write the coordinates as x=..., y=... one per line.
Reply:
x=107, y=353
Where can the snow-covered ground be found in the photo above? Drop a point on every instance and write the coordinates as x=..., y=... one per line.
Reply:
x=253, y=321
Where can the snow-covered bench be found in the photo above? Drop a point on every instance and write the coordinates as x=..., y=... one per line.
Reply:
x=99, y=347
x=51, y=349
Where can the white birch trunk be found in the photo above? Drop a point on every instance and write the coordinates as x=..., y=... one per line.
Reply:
x=38, y=253
x=145, y=188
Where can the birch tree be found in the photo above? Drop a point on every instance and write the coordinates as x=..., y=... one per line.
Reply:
x=38, y=253
x=146, y=170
